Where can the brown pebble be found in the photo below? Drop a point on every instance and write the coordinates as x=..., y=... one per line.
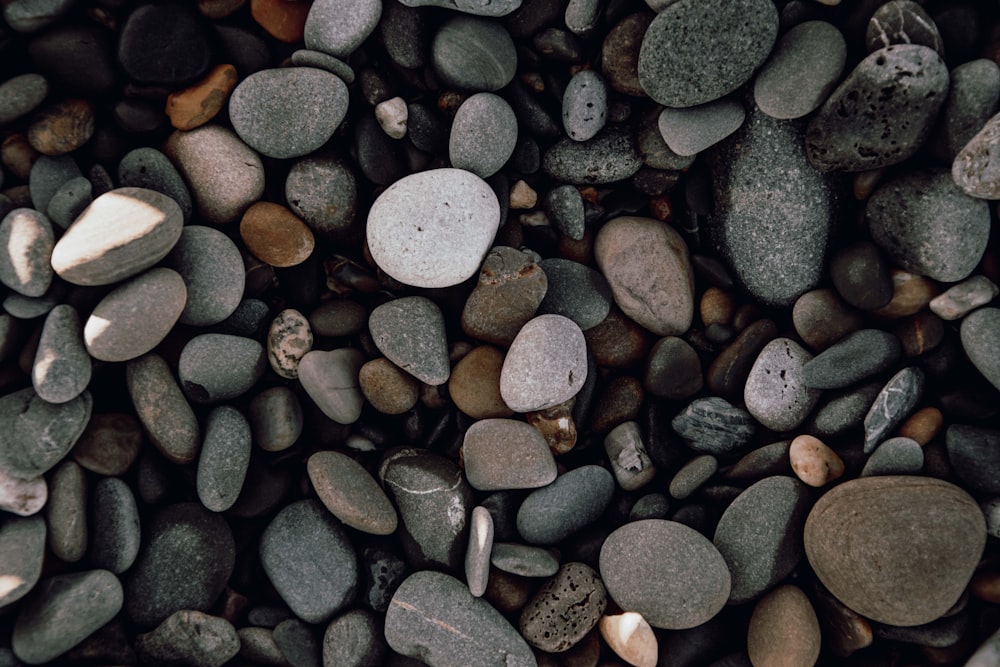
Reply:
x=922, y=426
x=522, y=196
x=351, y=494
x=784, y=630
x=865, y=183
x=110, y=444
x=511, y=285
x=219, y=9
x=716, y=307
x=556, y=425
x=18, y=155
x=919, y=333
x=620, y=54
x=196, y=105
x=617, y=342
x=275, y=235
x=813, y=462
x=630, y=637
x=285, y=20
x=911, y=294
x=729, y=370
x=618, y=402
x=338, y=317
x=578, y=250
x=508, y=592
x=985, y=586
x=390, y=389
x=844, y=631
x=474, y=384
x=821, y=318
x=62, y=127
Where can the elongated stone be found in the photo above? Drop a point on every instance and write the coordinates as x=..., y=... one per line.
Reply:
x=894, y=403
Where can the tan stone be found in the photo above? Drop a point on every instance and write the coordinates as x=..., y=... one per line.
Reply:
x=196, y=105
x=474, y=384
x=62, y=127
x=631, y=638
x=389, y=388
x=110, y=444
x=285, y=20
x=922, y=426
x=275, y=235
x=522, y=196
x=784, y=630
x=813, y=462
x=351, y=493
x=716, y=307
x=911, y=294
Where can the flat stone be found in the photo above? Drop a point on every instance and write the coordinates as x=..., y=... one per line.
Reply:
x=435, y=617
x=610, y=155
x=691, y=130
x=584, y=105
x=941, y=234
x=961, y=299
x=22, y=497
x=684, y=585
x=692, y=476
x=62, y=368
x=191, y=637
x=62, y=127
x=136, y=316
x=148, y=168
x=574, y=500
x=66, y=511
x=714, y=426
x=224, y=458
x=477, y=554
x=410, y=332
x=783, y=627
x=895, y=456
x=213, y=272
x=198, y=104
x=974, y=456
x=567, y=606
x=115, y=535
x=310, y=560
x=506, y=454
x=510, y=288
x=38, y=434
x=575, y=291
x=894, y=403
x=290, y=111
x=433, y=228
x=275, y=235
x=165, y=413
x=26, y=246
x=338, y=29
x=483, y=134
x=631, y=638
x=524, y=560
x=902, y=530
x=775, y=392
x=821, y=318
x=856, y=357
x=814, y=462
x=545, y=366
x=802, y=70
x=220, y=367
x=351, y=493
x=473, y=53
x=22, y=549
x=21, y=94
x=323, y=192
x=331, y=380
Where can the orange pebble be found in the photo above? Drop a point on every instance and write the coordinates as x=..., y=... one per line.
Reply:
x=922, y=425
x=285, y=20
x=275, y=235
x=195, y=106
x=985, y=585
x=62, y=127
x=716, y=307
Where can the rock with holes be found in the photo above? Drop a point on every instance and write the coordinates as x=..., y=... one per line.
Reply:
x=565, y=609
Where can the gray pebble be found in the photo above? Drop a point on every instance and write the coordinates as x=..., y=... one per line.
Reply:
x=961, y=299
x=324, y=193
x=62, y=367
x=115, y=534
x=66, y=511
x=160, y=404
x=291, y=111
x=28, y=308
x=330, y=379
x=48, y=174
x=894, y=403
x=189, y=638
x=611, y=155
x=842, y=411
x=650, y=506
x=976, y=167
x=276, y=419
x=147, y=167
x=219, y=367
x=584, y=105
x=338, y=28
x=224, y=458
x=69, y=201
x=575, y=291
x=546, y=364
x=564, y=206
x=213, y=272
x=20, y=95
x=524, y=560
x=354, y=639
x=714, y=426
x=980, y=331
x=574, y=500
x=320, y=60
x=692, y=476
x=477, y=554
x=775, y=392
x=627, y=452
x=384, y=572
x=902, y=22
x=298, y=643
x=500, y=454
x=307, y=555
x=803, y=69
x=494, y=8
x=473, y=53
x=691, y=130
x=405, y=31
x=856, y=357
x=410, y=333
x=895, y=456
x=483, y=134
x=39, y=434
x=26, y=244
x=973, y=97
x=22, y=549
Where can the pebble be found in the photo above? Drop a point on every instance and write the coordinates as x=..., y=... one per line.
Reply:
x=973, y=97
x=775, y=251
x=483, y=134
x=473, y=53
x=62, y=127
x=114, y=535
x=22, y=497
x=191, y=638
x=213, y=272
x=434, y=500
x=973, y=456
x=584, y=105
x=842, y=411
x=309, y=559
x=575, y=291
x=69, y=201
x=322, y=191
x=903, y=81
x=389, y=389
x=164, y=45
x=433, y=616
x=648, y=267
x=775, y=392
x=895, y=456
x=522, y=196
x=136, y=316
x=673, y=369
x=46, y=175
x=220, y=367
x=384, y=571
x=225, y=176
x=901, y=528
x=564, y=206
x=258, y=646
x=198, y=104
x=760, y=535
x=351, y=493
x=275, y=417
x=474, y=384
x=78, y=55
x=814, y=462
x=566, y=607
x=433, y=228
x=803, y=69
x=122, y=233
x=66, y=512
x=940, y=234
x=391, y=116
x=166, y=415
x=961, y=299
x=902, y=22
x=975, y=168
x=861, y=276
x=288, y=112
x=148, y=168
x=691, y=130
x=410, y=332
x=300, y=646
x=510, y=288
x=289, y=338
x=692, y=476
x=503, y=454
x=696, y=54
x=338, y=29
x=62, y=611
x=545, y=365
x=524, y=560
x=610, y=155
x=714, y=426
x=922, y=426
x=338, y=317
x=911, y=294
x=574, y=500
x=685, y=585
x=330, y=379
x=275, y=235
x=630, y=461
x=353, y=639
x=477, y=555
x=26, y=244
x=893, y=404
x=631, y=638
x=39, y=434
x=22, y=550
x=21, y=95
x=844, y=630
x=61, y=370
x=784, y=629
x=728, y=372
x=856, y=357
x=224, y=458
x=620, y=53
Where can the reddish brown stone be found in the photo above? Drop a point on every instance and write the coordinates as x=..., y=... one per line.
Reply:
x=275, y=235
x=200, y=103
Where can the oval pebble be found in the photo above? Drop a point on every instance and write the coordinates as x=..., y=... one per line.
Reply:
x=575, y=291
x=545, y=366
x=69, y=201
x=389, y=389
x=220, y=367
x=26, y=247
x=351, y=493
x=190, y=637
x=813, y=461
x=289, y=338
x=224, y=458
x=22, y=549
x=331, y=380
x=66, y=511
x=160, y=404
x=784, y=629
x=775, y=392
x=895, y=456
x=477, y=555
x=323, y=192
x=288, y=112
x=691, y=130
x=21, y=94
x=39, y=434
x=803, y=69
x=213, y=273
x=584, y=105
x=122, y=233
x=610, y=155
x=503, y=454
x=523, y=560
x=574, y=500
x=115, y=534
x=669, y=573
x=338, y=28
x=62, y=368
x=899, y=549
x=474, y=384
x=275, y=235
x=433, y=228
x=567, y=606
x=483, y=134
x=856, y=357
x=410, y=332
x=473, y=53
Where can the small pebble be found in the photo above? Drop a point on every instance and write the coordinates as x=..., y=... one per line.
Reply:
x=350, y=493
x=690, y=131
x=813, y=462
x=26, y=246
x=330, y=379
x=630, y=462
x=391, y=116
x=631, y=638
x=692, y=476
x=895, y=456
x=524, y=560
x=275, y=235
x=584, y=105
x=961, y=299
x=477, y=555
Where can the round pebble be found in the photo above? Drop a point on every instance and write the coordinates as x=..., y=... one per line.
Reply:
x=275, y=235
x=323, y=192
x=545, y=365
x=506, y=454
x=775, y=392
x=337, y=28
x=473, y=53
x=814, y=462
x=572, y=501
x=783, y=629
x=483, y=135
x=474, y=384
x=213, y=273
x=220, y=367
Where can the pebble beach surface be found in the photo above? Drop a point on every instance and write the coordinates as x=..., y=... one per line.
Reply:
x=555, y=333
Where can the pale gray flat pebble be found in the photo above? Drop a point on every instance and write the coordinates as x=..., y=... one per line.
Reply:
x=20, y=95
x=224, y=458
x=213, y=272
x=410, y=333
x=584, y=105
x=338, y=27
x=483, y=134
x=473, y=53
x=61, y=370
x=961, y=299
x=330, y=379
x=545, y=365
x=691, y=130
x=803, y=69
x=115, y=534
x=220, y=367
x=976, y=169
x=146, y=167
x=320, y=60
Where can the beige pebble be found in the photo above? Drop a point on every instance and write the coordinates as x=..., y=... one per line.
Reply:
x=522, y=196
x=716, y=307
x=390, y=389
x=474, y=384
x=392, y=115
x=911, y=294
x=351, y=493
x=784, y=630
x=922, y=426
x=959, y=300
x=631, y=638
x=813, y=462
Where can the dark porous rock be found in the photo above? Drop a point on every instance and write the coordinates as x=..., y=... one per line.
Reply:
x=384, y=571
x=323, y=192
x=980, y=332
x=575, y=291
x=775, y=246
x=861, y=125
x=164, y=45
x=310, y=560
x=574, y=500
x=564, y=609
x=410, y=333
x=189, y=638
x=22, y=549
x=858, y=356
x=694, y=53
x=895, y=456
x=179, y=538
x=38, y=434
x=894, y=403
x=115, y=535
x=861, y=276
x=669, y=573
x=974, y=455
x=760, y=535
x=899, y=550
x=928, y=226
x=434, y=501
x=902, y=22
x=973, y=95
x=62, y=611
x=673, y=369
x=473, y=53
x=842, y=411
x=611, y=155
x=775, y=392
x=714, y=426
x=729, y=370
x=434, y=617
x=148, y=168
x=219, y=367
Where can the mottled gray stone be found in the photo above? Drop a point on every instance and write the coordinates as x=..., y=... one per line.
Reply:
x=213, y=272
x=546, y=364
x=354, y=639
x=611, y=155
x=38, y=434
x=338, y=27
x=894, y=403
x=26, y=245
x=976, y=169
x=500, y=454
x=21, y=94
x=61, y=370
x=575, y=291
x=220, y=367
x=473, y=53
x=483, y=134
x=843, y=411
x=973, y=97
x=189, y=638
x=584, y=105
x=692, y=476
x=714, y=426
x=691, y=130
x=324, y=193
x=564, y=206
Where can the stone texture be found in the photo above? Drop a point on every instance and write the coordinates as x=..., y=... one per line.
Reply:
x=713, y=426
x=191, y=638
x=275, y=235
x=22, y=549
x=784, y=629
x=220, y=367
x=224, y=458
x=330, y=379
x=510, y=288
x=567, y=606
x=483, y=134
x=337, y=28
x=351, y=493
x=545, y=366
x=503, y=454
x=856, y=357
x=26, y=246
x=38, y=434
x=213, y=273
x=610, y=155
x=115, y=534
x=472, y=53
x=894, y=403
x=162, y=408
x=62, y=368
x=775, y=392
x=574, y=500
x=410, y=332
x=690, y=131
